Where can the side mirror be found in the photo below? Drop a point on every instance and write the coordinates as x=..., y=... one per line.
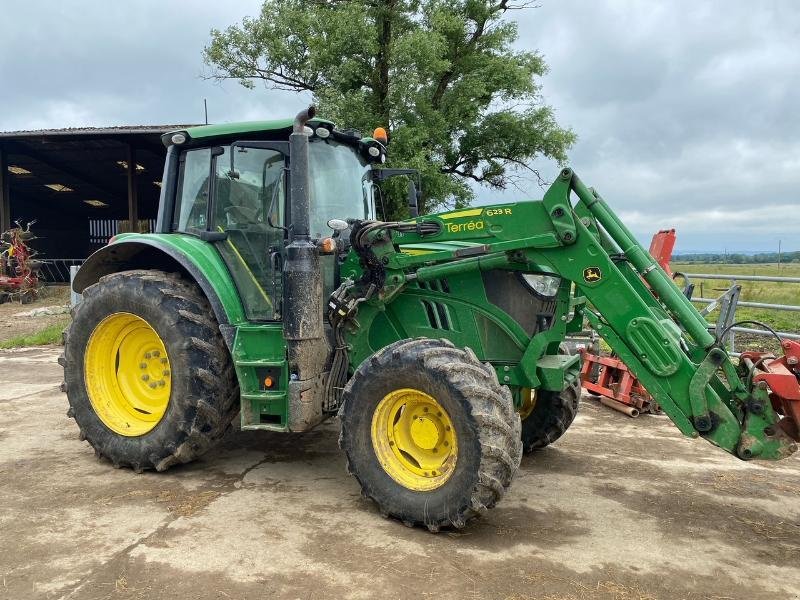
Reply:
x=413, y=199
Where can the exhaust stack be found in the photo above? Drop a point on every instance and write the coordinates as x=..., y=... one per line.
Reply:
x=303, y=290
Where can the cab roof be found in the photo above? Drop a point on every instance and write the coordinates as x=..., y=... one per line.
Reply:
x=277, y=128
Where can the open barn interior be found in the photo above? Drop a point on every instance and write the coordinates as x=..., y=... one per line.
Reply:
x=81, y=186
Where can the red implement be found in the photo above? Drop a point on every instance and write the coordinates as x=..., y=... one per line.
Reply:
x=661, y=247
x=609, y=377
x=782, y=375
x=18, y=271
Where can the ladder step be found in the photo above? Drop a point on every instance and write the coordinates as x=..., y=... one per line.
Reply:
x=259, y=363
x=271, y=396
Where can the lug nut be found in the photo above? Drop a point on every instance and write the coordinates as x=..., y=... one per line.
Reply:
x=156, y=353
x=142, y=365
x=145, y=377
x=161, y=383
x=164, y=360
x=153, y=385
x=165, y=372
x=148, y=356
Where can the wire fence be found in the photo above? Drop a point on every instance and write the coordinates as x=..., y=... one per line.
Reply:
x=56, y=270
x=733, y=279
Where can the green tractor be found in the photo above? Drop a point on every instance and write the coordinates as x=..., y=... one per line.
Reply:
x=269, y=289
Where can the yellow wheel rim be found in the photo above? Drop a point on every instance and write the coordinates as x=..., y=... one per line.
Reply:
x=127, y=374
x=528, y=403
x=414, y=439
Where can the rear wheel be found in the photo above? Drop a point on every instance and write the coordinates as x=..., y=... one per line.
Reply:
x=147, y=374
x=547, y=415
x=429, y=433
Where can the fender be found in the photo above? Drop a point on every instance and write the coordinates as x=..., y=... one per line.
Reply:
x=186, y=254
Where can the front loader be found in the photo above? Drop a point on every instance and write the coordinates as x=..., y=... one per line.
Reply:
x=271, y=289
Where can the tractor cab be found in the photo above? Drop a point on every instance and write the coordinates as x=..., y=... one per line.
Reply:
x=231, y=189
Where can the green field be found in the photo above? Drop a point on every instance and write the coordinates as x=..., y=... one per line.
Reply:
x=752, y=291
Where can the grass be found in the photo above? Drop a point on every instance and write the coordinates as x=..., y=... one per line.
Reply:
x=752, y=291
x=44, y=337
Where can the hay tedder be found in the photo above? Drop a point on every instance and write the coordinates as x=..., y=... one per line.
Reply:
x=19, y=272
x=270, y=290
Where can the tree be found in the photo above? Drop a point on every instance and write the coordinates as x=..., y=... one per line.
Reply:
x=461, y=104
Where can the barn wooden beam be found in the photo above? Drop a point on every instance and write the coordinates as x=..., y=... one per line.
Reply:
x=133, y=191
x=5, y=191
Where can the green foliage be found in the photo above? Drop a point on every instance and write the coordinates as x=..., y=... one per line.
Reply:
x=51, y=334
x=462, y=104
x=738, y=258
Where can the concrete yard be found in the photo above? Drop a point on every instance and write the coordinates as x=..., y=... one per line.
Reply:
x=618, y=509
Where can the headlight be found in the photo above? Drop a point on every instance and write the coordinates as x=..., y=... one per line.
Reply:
x=544, y=285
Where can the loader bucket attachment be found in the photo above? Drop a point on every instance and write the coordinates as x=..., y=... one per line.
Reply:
x=782, y=378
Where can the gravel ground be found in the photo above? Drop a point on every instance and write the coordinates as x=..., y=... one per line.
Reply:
x=619, y=509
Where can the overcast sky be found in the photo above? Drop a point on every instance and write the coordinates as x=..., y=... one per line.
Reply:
x=686, y=112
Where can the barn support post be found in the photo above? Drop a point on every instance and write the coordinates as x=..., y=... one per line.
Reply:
x=133, y=192
x=5, y=191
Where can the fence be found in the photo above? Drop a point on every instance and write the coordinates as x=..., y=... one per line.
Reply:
x=100, y=230
x=734, y=279
x=56, y=270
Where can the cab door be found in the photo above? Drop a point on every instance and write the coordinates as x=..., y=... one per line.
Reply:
x=249, y=207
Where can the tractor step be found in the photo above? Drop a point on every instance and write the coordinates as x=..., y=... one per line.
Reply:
x=259, y=356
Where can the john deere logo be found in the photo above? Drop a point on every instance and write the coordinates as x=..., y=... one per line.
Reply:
x=592, y=274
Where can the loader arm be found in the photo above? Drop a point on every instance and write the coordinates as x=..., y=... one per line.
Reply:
x=630, y=301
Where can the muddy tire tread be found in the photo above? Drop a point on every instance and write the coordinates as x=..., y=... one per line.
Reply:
x=206, y=411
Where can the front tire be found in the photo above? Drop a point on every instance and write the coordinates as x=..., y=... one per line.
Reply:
x=429, y=433
x=147, y=374
x=550, y=417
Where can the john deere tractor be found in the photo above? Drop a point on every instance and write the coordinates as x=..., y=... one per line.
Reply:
x=271, y=290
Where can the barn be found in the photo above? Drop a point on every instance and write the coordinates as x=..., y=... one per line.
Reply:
x=81, y=186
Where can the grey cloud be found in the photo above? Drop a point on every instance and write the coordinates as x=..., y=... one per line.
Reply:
x=686, y=111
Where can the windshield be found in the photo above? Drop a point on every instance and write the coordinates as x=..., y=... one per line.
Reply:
x=340, y=185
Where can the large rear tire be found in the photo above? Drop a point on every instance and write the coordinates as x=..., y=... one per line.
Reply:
x=147, y=374
x=429, y=433
x=551, y=416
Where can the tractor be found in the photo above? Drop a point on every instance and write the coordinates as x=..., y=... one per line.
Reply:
x=271, y=289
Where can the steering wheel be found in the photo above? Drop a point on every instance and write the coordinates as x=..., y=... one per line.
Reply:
x=243, y=214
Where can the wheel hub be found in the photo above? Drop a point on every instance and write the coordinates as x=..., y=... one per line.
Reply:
x=414, y=439
x=424, y=433
x=127, y=374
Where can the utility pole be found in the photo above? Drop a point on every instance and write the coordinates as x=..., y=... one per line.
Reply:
x=779, y=257
x=205, y=106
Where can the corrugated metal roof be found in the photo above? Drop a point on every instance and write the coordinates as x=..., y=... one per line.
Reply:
x=80, y=131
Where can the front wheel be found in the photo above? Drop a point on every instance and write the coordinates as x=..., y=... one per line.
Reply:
x=429, y=433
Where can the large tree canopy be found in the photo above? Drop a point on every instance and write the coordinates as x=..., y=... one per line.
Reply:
x=460, y=102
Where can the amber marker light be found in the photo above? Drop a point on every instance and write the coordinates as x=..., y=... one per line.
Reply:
x=327, y=245
x=268, y=382
x=380, y=135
